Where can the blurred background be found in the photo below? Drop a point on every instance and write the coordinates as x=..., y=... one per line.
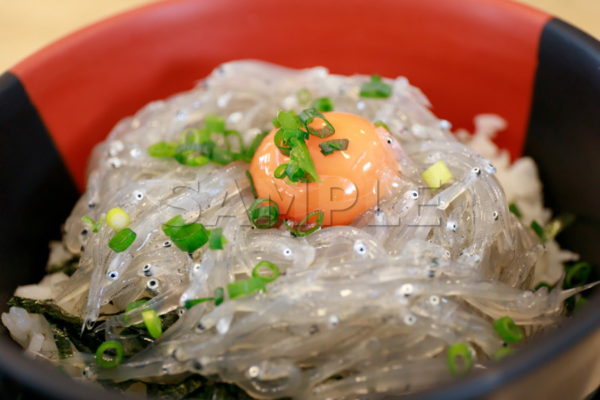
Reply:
x=27, y=25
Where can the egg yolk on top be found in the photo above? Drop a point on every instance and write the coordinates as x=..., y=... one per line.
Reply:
x=352, y=180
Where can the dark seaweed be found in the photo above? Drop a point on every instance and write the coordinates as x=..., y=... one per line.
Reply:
x=68, y=267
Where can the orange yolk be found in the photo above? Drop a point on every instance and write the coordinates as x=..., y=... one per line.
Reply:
x=352, y=180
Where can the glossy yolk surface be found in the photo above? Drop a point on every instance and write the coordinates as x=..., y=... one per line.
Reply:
x=352, y=180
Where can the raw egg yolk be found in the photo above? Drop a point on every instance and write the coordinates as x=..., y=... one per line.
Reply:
x=352, y=180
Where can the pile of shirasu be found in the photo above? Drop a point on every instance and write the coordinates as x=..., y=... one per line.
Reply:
x=358, y=310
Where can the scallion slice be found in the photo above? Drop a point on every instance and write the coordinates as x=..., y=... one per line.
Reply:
x=508, y=330
x=109, y=354
x=93, y=225
x=246, y=287
x=263, y=215
x=375, y=88
x=538, y=229
x=132, y=306
x=542, y=285
x=163, y=150
x=187, y=237
x=251, y=182
x=436, y=175
x=219, y=296
x=300, y=156
x=122, y=240
x=191, y=303
x=153, y=323
x=577, y=274
x=329, y=146
x=383, y=125
x=323, y=104
x=309, y=115
x=304, y=228
x=216, y=239
x=513, y=208
x=117, y=219
x=502, y=353
x=258, y=271
x=288, y=120
x=250, y=150
x=280, y=171
x=459, y=358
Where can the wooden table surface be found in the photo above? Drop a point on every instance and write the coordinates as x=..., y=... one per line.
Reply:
x=27, y=25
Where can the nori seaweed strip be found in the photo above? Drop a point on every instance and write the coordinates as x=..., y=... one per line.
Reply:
x=68, y=267
x=136, y=338
x=63, y=344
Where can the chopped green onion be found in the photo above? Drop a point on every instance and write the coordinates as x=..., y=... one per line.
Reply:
x=132, y=306
x=300, y=229
x=280, y=171
x=214, y=123
x=284, y=139
x=577, y=274
x=250, y=150
x=436, y=175
x=172, y=225
x=192, y=154
x=105, y=360
x=323, y=104
x=264, y=216
x=135, y=304
x=216, y=240
x=219, y=296
x=93, y=225
x=557, y=225
x=300, y=157
x=153, y=323
x=459, y=358
x=375, y=88
x=274, y=271
x=117, y=219
x=383, y=125
x=191, y=303
x=163, y=150
x=508, y=330
x=196, y=146
x=187, y=237
x=303, y=95
x=288, y=120
x=245, y=287
x=251, y=181
x=538, y=229
x=542, y=285
x=329, y=146
x=513, y=208
x=122, y=240
x=308, y=116
x=502, y=352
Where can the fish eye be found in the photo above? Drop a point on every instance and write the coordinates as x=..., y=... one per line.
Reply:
x=113, y=275
x=360, y=247
x=410, y=319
